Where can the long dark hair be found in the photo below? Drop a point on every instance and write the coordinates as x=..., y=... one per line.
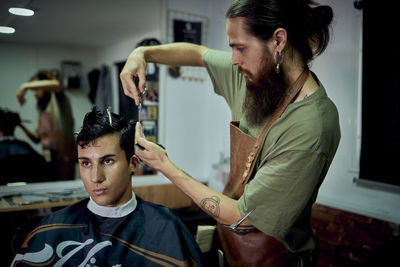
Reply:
x=308, y=27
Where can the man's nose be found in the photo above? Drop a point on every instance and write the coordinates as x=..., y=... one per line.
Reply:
x=97, y=174
x=235, y=59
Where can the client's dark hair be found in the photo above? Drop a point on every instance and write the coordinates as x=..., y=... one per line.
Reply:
x=97, y=124
x=8, y=121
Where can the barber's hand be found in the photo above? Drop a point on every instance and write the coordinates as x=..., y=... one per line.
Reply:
x=148, y=152
x=21, y=94
x=138, y=132
x=135, y=67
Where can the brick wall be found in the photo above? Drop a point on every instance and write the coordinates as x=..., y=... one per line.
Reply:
x=348, y=239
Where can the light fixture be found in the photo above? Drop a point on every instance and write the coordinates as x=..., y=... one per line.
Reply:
x=21, y=11
x=5, y=29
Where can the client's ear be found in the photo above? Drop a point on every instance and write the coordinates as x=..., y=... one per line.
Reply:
x=134, y=162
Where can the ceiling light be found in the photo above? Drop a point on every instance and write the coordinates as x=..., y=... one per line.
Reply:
x=5, y=29
x=21, y=11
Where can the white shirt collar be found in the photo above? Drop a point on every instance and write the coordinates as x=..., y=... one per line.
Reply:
x=5, y=138
x=113, y=212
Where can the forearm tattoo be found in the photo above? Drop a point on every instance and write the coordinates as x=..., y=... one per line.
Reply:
x=211, y=205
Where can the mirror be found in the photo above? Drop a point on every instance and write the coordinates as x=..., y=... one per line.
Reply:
x=73, y=39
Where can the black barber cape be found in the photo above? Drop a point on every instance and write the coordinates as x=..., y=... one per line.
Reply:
x=150, y=235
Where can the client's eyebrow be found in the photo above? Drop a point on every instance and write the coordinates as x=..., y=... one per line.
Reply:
x=108, y=156
x=101, y=158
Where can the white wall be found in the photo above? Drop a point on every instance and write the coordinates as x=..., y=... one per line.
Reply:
x=196, y=121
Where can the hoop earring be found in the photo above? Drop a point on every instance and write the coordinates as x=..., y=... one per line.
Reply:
x=278, y=58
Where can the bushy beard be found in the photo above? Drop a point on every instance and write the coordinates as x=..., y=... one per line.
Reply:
x=43, y=101
x=264, y=93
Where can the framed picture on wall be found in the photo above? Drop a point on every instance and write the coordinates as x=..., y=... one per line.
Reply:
x=71, y=74
x=191, y=28
x=187, y=27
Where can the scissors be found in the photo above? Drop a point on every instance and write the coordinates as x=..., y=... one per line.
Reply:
x=233, y=226
x=141, y=99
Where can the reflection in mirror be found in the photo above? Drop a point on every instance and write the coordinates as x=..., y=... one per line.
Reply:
x=49, y=65
x=15, y=152
x=55, y=123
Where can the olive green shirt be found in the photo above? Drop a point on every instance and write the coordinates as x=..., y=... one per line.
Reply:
x=297, y=152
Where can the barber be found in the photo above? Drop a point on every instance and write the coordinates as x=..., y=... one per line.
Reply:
x=284, y=133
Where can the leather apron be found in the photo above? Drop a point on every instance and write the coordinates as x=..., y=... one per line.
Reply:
x=253, y=247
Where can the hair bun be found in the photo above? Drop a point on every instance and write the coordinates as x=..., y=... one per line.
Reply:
x=322, y=15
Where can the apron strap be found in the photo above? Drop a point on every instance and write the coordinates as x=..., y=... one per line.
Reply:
x=290, y=96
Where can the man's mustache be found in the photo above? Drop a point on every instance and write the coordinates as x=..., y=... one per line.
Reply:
x=245, y=72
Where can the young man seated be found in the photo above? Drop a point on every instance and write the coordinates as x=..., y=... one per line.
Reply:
x=113, y=227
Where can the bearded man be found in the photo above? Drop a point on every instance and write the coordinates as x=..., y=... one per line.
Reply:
x=284, y=133
x=55, y=123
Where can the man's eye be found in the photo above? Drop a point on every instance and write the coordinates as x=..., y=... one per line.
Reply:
x=108, y=161
x=85, y=164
